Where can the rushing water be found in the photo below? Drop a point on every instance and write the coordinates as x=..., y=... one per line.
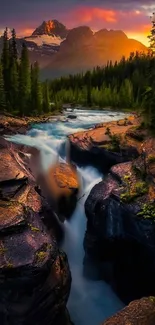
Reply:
x=90, y=302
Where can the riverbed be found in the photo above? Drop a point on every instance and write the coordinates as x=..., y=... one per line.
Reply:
x=90, y=301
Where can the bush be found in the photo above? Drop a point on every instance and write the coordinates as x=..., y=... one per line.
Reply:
x=151, y=159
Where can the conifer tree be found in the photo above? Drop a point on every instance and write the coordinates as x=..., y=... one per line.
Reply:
x=14, y=45
x=5, y=60
x=14, y=72
x=14, y=85
x=24, y=82
x=152, y=34
x=46, y=100
x=36, y=91
x=88, y=77
x=2, y=92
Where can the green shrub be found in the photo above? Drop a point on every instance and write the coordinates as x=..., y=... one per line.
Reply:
x=151, y=159
x=131, y=194
x=147, y=211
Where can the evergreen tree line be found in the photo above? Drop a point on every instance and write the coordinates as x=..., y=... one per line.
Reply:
x=21, y=92
x=129, y=83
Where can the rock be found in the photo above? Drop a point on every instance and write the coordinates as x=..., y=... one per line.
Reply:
x=35, y=278
x=10, y=125
x=61, y=185
x=120, y=229
x=72, y=117
x=139, y=312
x=104, y=145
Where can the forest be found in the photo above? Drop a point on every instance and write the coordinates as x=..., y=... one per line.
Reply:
x=21, y=91
x=128, y=84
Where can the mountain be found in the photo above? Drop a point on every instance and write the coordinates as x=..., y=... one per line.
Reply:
x=51, y=27
x=61, y=51
x=82, y=49
x=49, y=34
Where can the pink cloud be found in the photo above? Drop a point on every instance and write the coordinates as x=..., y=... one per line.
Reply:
x=132, y=22
x=86, y=14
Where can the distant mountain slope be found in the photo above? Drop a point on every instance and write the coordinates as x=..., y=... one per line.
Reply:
x=83, y=49
x=44, y=39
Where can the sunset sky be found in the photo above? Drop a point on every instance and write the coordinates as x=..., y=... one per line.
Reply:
x=131, y=16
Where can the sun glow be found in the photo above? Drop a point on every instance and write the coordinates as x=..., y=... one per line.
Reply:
x=139, y=37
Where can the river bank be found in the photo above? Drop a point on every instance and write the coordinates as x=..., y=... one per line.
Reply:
x=14, y=125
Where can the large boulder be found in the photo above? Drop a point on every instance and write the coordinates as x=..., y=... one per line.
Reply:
x=35, y=275
x=58, y=187
x=139, y=312
x=106, y=144
x=61, y=185
x=120, y=214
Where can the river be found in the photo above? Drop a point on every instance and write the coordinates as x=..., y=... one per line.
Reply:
x=90, y=301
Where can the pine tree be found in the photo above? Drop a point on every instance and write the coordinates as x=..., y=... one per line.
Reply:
x=2, y=92
x=152, y=34
x=5, y=60
x=88, y=77
x=14, y=85
x=46, y=100
x=14, y=45
x=24, y=82
x=14, y=72
x=36, y=91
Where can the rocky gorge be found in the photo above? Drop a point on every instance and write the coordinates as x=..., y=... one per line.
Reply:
x=120, y=210
x=35, y=274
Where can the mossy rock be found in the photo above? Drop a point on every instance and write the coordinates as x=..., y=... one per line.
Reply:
x=24, y=242
x=12, y=216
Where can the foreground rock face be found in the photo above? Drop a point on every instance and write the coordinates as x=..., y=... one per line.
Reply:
x=140, y=312
x=107, y=144
x=120, y=228
x=35, y=276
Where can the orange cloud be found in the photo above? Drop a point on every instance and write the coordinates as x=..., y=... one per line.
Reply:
x=88, y=14
x=25, y=32
x=134, y=23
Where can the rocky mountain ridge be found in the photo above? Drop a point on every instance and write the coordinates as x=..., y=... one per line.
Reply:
x=51, y=27
x=60, y=51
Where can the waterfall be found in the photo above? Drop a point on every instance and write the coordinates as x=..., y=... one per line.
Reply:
x=90, y=302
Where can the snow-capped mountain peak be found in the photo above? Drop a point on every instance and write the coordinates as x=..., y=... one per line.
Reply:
x=45, y=39
x=51, y=27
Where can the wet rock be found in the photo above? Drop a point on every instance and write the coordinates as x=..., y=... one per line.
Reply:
x=120, y=229
x=61, y=185
x=139, y=312
x=10, y=125
x=72, y=117
x=35, y=278
x=105, y=145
